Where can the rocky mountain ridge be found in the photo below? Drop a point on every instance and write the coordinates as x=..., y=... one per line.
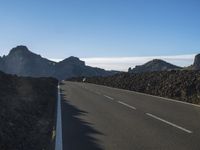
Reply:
x=21, y=61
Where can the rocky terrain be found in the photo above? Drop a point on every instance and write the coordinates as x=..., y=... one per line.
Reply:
x=27, y=112
x=183, y=85
x=154, y=65
x=23, y=62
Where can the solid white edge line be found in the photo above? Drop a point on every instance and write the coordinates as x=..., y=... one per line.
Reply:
x=108, y=97
x=58, y=142
x=169, y=123
x=127, y=105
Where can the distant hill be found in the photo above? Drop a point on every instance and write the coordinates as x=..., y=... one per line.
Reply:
x=21, y=61
x=154, y=65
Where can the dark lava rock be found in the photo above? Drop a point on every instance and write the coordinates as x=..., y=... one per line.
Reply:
x=183, y=85
x=27, y=112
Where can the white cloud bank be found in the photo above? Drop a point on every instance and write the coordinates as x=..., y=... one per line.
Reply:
x=123, y=63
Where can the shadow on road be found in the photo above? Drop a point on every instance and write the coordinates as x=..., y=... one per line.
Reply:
x=77, y=134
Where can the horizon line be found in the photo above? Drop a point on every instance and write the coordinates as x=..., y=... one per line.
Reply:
x=123, y=63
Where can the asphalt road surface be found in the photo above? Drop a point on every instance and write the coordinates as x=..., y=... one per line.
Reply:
x=97, y=117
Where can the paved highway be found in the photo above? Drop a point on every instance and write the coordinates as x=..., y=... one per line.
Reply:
x=97, y=117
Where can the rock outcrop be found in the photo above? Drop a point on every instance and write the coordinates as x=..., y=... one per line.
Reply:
x=196, y=64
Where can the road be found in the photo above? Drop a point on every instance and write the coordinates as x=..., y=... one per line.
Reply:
x=97, y=117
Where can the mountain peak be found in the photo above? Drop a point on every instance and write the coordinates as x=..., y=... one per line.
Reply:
x=21, y=49
x=73, y=60
x=158, y=60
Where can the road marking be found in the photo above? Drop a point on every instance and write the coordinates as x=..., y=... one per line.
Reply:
x=164, y=98
x=58, y=142
x=108, y=97
x=169, y=123
x=127, y=105
x=145, y=94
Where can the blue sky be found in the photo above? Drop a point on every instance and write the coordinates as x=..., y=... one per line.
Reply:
x=101, y=28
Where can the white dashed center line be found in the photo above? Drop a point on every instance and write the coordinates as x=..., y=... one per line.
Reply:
x=169, y=123
x=127, y=105
x=109, y=97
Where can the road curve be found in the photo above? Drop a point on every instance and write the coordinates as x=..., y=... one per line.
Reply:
x=96, y=117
